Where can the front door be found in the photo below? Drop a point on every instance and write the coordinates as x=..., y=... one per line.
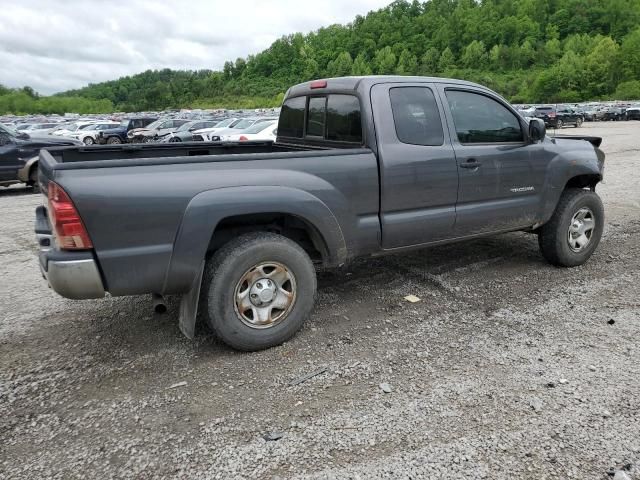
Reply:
x=418, y=173
x=501, y=173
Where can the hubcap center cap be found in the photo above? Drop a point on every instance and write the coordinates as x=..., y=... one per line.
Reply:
x=262, y=291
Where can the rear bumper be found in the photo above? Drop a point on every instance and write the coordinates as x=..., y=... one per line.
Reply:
x=72, y=274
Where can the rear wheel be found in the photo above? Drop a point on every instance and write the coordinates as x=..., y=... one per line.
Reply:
x=258, y=289
x=578, y=123
x=559, y=123
x=88, y=141
x=33, y=178
x=574, y=231
x=113, y=140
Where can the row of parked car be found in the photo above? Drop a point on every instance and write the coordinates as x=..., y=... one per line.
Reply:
x=142, y=129
x=560, y=115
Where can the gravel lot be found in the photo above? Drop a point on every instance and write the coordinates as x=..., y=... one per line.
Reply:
x=507, y=367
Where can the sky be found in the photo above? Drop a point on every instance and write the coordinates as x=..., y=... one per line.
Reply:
x=57, y=45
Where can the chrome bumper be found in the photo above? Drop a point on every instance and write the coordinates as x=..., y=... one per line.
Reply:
x=71, y=274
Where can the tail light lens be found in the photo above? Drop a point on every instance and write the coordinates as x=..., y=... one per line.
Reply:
x=552, y=114
x=243, y=138
x=70, y=233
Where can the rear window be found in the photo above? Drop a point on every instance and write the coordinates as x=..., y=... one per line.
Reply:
x=343, y=119
x=332, y=117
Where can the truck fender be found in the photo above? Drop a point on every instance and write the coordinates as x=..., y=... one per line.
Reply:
x=205, y=211
x=565, y=166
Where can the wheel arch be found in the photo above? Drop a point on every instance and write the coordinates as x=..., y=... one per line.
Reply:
x=235, y=210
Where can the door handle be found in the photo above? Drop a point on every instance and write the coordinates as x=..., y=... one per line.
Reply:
x=471, y=163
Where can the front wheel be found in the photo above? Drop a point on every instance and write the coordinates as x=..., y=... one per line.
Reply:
x=578, y=123
x=559, y=124
x=114, y=140
x=258, y=290
x=574, y=231
x=88, y=141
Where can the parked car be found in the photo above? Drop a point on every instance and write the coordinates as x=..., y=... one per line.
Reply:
x=633, y=113
x=155, y=130
x=558, y=116
x=263, y=131
x=362, y=166
x=185, y=132
x=19, y=155
x=613, y=114
x=242, y=125
x=89, y=134
x=119, y=134
x=67, y=129
x=40, y=128
x=205, y=133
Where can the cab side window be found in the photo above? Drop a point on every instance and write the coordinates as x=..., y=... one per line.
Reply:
x=481, y=119
x=416, y=116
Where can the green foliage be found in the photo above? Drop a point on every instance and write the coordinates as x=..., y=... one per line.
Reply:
x=528, y=50
x=628, y=90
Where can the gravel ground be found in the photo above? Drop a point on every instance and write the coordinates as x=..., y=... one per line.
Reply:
x=506, y=368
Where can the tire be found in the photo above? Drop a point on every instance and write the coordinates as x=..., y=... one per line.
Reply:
x=114, y=140
x=33, y=178
x=88, y=141
x=560, y=240
x=559, y=124
x=174, y=140
x=578, y=123
x=244, y=265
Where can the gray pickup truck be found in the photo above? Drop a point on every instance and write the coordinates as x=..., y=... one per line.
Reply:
x=361, y=166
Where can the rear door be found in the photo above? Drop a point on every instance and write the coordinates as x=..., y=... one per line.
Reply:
x=501, y=172
x=418, y=173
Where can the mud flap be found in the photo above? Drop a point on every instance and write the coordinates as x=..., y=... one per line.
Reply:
x=189, y=306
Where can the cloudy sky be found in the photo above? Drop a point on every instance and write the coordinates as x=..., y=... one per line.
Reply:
x=58, y=45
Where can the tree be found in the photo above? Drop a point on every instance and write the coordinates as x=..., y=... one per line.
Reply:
x=630, y=56
x=385, y=61
x=341, y=66
x=474, y=55
x=447, y=60
x=361, y=66
x=429, y=62
x=601, y=68
x=407, y=64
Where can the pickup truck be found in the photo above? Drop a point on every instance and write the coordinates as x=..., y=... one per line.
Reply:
x=362, y=166
x=19, y=155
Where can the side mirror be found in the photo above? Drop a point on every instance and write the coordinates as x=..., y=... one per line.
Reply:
x=537, y=130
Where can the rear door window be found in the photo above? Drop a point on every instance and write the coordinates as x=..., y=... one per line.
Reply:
x=416, y=116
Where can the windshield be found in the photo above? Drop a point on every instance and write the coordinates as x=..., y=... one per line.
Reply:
x=186, y=126
x=155, y=124
x=246, y=123
x=7, y=130
x=124, y=123
x=258, y=127
x=225, y=123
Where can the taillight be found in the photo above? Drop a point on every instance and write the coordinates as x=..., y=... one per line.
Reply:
x=69, y=230
x=243, y=138
x=552, y=115
x=318, y=84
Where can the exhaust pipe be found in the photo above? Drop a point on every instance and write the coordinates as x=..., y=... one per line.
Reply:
x=158, y=303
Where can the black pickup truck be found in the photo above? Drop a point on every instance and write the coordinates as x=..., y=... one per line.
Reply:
x=361, y=166
x=19, y=155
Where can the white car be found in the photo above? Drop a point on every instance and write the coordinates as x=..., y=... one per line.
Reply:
x=205, y=133
x=89, y=133
x=67, y=129
x=241, y=126
x=266, y=131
